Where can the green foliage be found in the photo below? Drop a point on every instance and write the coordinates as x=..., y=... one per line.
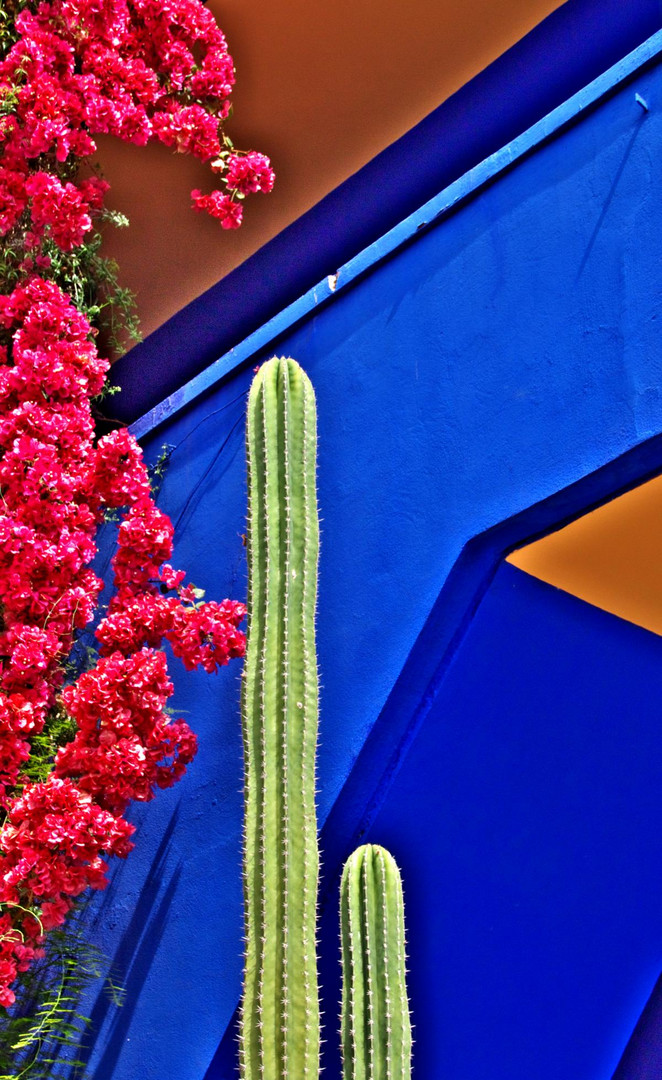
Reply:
x=41, y=1035
x=58, y=729
x=9, y=9
x=88, y=277
x=158, y=470
x=375, y=1025
x=280, y=1008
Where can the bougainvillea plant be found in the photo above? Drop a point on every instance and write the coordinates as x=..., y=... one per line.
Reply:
x=76, y=750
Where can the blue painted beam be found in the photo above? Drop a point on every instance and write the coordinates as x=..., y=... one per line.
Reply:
x=427, y=216
x=569, y=49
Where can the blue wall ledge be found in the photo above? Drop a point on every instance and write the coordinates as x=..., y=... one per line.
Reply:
x=431, y=214
x=569, y=49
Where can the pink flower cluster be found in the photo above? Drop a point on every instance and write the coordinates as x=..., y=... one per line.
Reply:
x=139, y=69
x=55, y=485
x=246, y=173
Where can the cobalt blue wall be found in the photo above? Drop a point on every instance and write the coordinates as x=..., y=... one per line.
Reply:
x=526, y=821
x=490, y=361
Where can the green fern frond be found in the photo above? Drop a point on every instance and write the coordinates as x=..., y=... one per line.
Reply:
x=41, y=1035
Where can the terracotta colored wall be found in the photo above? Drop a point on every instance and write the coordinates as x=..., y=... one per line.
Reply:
x=320, y=89
x=611, y=558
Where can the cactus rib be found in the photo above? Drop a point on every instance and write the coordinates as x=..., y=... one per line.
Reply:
x=280, y=1009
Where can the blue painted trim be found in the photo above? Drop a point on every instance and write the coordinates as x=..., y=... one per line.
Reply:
x=404, y=233
x=565, y=52
x=416, y=688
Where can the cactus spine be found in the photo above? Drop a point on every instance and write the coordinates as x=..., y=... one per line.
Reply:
x=375, y=1025
x=280, y=1005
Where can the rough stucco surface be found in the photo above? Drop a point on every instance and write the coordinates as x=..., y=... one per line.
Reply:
x=498, y=358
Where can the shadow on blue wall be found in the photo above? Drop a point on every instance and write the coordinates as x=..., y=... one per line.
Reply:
x=642, y=1059
x=132, y=959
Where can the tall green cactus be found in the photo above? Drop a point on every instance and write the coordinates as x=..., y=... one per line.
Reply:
x=280, y=1005
x=375, y=1025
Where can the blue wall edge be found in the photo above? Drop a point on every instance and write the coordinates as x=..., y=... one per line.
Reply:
x=642, y=1058
x=427, y=216
x=415, y=689
x=565, y=52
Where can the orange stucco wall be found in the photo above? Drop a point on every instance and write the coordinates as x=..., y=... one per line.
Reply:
x=611, y=557
x=321, y=89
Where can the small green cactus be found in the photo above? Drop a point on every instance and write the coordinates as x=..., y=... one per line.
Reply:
x=280, y=1006
x=375, y=1024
